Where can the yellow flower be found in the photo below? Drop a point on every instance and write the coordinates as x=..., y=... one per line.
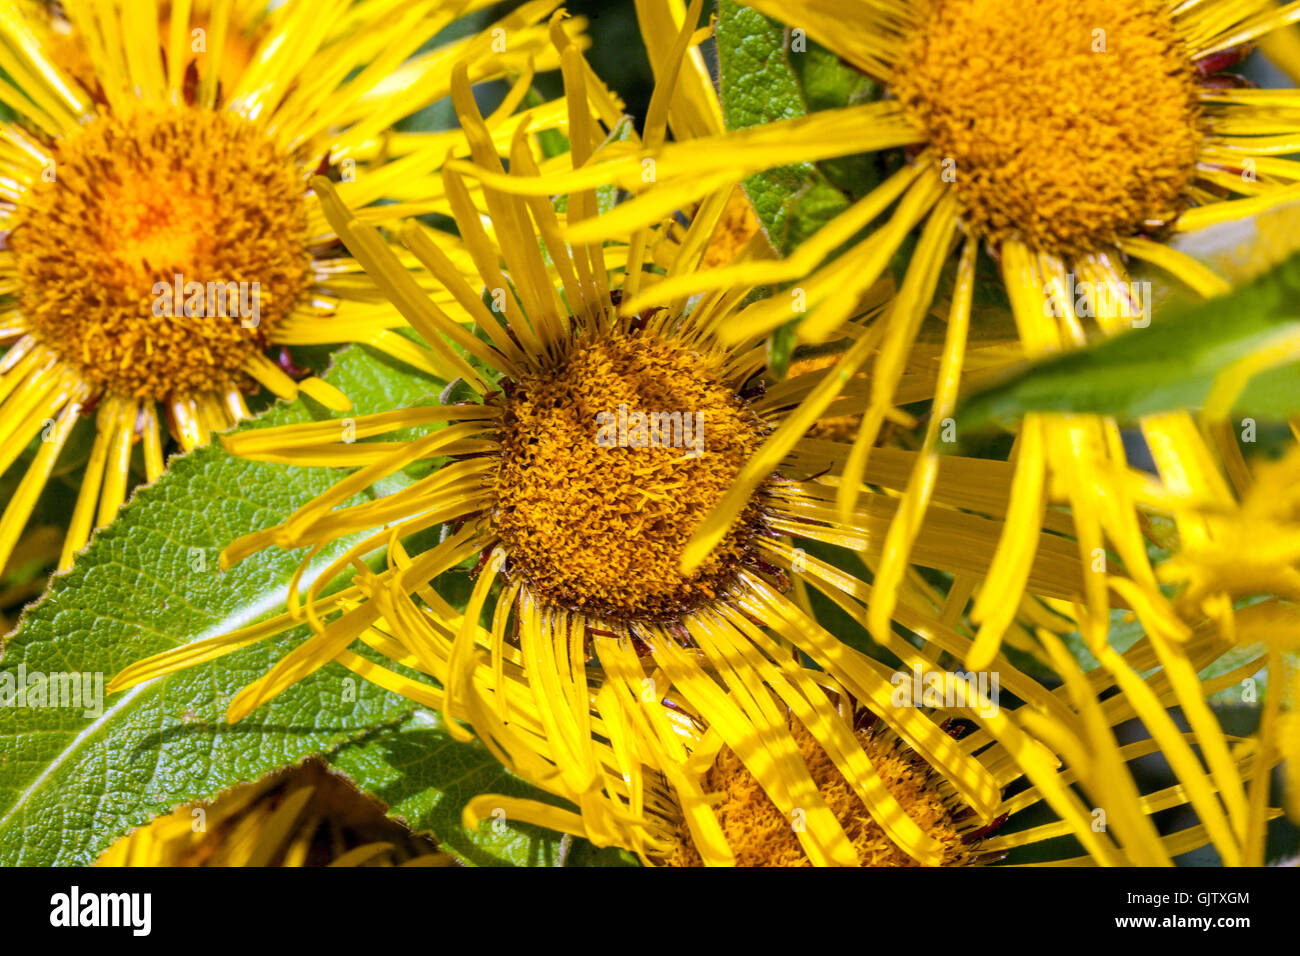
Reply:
x=1063, y=139
x=600, y=671
x=304, y=816
x=1122, y=830
x=159, y=230
x=1242, y=571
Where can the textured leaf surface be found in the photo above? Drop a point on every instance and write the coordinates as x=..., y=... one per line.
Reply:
x=69, y=782
x=72, y=781
x=762, y=80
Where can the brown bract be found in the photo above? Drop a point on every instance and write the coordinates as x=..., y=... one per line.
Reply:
x=132, y=201
x=1067, y=124
x=600, y=528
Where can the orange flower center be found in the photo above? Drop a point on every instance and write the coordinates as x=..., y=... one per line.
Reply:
x=1066, y=124
x=158, y=249
x=609, y=462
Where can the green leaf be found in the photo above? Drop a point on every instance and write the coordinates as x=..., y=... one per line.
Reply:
x=762, y=80
x=71, y=779
x=767, y=74
x=1171, y=364
x=826, y=83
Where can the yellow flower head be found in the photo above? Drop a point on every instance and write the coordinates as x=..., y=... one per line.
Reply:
x=999, y=88
x=1058, y=143
x=159, y=230
x=760, y=835
x=1115, y=826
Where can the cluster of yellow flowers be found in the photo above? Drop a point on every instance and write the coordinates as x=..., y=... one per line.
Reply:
x=723, y=613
